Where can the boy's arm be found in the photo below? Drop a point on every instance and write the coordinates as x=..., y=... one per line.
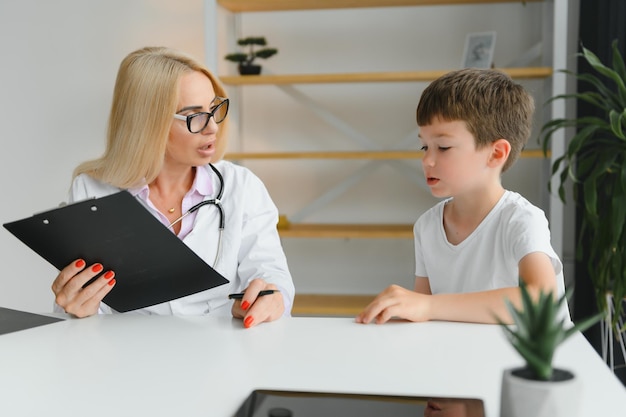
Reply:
x=477, y=307
x=535, y=270
x=422, y=285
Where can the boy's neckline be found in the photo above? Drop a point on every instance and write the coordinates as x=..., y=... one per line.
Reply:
x=458, y=228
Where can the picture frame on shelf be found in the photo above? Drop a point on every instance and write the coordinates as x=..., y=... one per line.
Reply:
x=478, y=50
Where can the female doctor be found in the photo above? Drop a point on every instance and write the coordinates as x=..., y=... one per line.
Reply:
x=165, y=141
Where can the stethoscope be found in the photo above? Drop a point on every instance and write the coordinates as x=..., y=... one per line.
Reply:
x=217, y=202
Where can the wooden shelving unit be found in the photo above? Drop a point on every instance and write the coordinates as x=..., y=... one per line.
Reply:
x=331, y=230
x=350, y=304
x=347, y=231
x=371, y=77
x=276, y=5
x=380, y=155
x=330, y=304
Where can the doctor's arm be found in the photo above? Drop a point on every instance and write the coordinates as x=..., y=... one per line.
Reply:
x=262, y=262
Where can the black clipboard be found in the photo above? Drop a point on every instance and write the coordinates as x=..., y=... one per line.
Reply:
x=151, y=264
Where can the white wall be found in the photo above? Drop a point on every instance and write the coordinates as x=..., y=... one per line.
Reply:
x=58, y=67
x=57, y=75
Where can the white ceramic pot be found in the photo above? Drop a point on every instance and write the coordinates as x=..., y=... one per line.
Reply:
x=522, y=397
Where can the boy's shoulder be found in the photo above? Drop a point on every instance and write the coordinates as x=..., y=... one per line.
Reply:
x=512, y=208
x=513, y=202
x=517, y=214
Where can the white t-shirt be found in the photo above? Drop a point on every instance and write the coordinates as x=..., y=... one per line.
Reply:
x=488, y=258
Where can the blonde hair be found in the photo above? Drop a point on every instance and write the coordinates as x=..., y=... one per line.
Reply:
x=144, y=102
x=490, y=103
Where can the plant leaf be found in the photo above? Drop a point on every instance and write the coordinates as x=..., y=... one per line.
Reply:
x=618, y=61
x=581, y=326
x=595, y=62
x=584, y=135
x=616, y=123
x=595, y=160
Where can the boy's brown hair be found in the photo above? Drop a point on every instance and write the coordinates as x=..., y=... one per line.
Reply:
x=490, y=103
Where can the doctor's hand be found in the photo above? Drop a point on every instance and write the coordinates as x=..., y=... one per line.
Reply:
x=396, y=302
x=255, y=309
x=70, y=294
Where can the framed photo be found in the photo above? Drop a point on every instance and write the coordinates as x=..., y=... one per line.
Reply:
x=478, y=51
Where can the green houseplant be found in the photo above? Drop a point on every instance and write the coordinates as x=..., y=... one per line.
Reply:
x=538, y=389
x=246, y=59
x=539, y=329
x=595, y=160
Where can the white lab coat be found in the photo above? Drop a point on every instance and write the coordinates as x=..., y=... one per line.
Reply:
x=251, y=247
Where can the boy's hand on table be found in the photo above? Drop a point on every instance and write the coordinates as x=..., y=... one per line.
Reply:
x=396, y=302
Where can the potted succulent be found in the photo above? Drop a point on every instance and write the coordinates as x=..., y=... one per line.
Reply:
x=538, y=389
x=246, y=60
x=595, y=160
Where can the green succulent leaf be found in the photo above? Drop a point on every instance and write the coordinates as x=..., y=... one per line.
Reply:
x=539, y=329
x=583, y=325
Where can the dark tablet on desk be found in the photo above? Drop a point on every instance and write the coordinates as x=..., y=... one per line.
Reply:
x=14, y=320
x=151, y=264
x=278, y=403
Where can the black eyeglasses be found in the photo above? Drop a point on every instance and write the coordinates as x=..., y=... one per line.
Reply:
x=198, y=121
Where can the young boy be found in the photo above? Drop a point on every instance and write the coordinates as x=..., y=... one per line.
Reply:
x=473, y=249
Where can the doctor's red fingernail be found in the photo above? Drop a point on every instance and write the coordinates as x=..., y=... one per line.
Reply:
x=79, y=263
x=248, y=321
x=96, y=268
x=245, y=305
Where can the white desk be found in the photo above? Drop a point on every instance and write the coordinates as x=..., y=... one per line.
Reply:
x=126, y=365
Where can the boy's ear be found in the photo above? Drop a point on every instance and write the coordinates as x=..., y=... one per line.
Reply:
x=500, y=150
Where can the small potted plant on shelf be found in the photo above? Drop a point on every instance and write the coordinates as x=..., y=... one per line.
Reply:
x=538, y=389
x=246, y=60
